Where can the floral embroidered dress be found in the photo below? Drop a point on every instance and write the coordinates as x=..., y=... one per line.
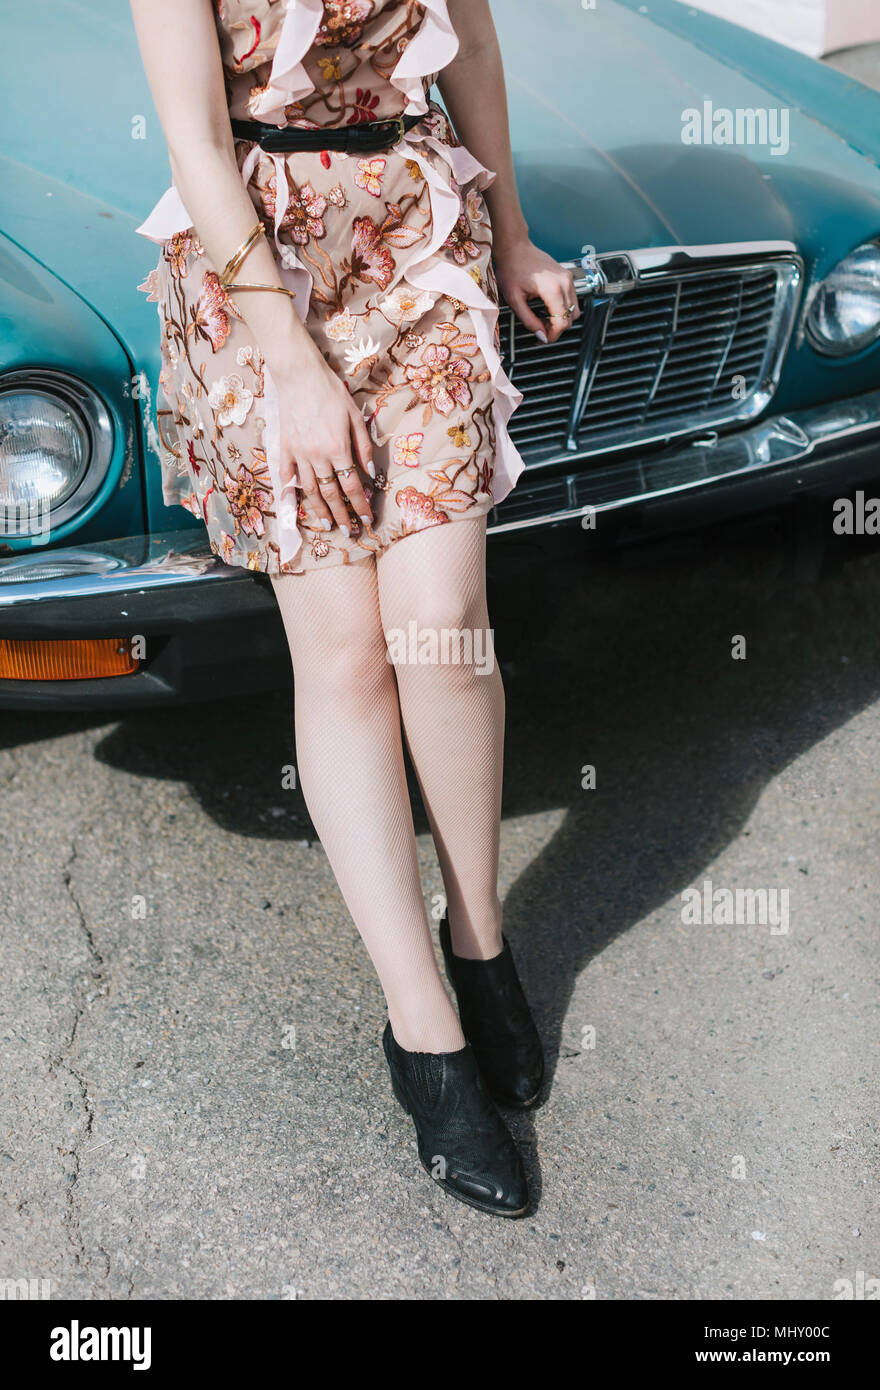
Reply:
x=389, y=258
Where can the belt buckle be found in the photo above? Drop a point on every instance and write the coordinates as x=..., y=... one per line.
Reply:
x=363, y=137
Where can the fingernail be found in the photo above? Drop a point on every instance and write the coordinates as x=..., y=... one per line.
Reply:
x=371, y=468
x=541, y=336
x=325, y=524
x=345, y=531
x=367, y=520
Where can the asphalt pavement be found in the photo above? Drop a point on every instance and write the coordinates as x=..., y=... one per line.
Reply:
x=196, y=1104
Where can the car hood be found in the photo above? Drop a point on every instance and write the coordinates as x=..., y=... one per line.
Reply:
x=597, y=100
x=596, y=97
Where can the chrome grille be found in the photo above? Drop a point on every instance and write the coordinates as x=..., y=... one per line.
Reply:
x=680, y=351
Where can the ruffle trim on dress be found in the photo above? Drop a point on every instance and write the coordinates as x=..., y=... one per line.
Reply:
x=434, y=46
x=434, y=272
x=288, y=79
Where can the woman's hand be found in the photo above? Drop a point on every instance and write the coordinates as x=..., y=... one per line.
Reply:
x=323, y=436
x=526, y=272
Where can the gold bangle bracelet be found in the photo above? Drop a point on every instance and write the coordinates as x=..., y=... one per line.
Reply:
x=236, y=259
x=245, y=285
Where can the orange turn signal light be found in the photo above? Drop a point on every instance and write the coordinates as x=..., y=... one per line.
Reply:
x=88, y=658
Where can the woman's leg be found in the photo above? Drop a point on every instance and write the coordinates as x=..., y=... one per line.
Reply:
x=453, y=715
x=351, y=769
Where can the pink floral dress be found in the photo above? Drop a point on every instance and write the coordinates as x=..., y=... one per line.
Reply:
x=389, y=258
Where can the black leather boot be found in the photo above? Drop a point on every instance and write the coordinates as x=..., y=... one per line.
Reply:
x=497, y=1023
x=462, y=1140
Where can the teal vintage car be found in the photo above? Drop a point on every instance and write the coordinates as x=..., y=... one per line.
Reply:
x=718, y=195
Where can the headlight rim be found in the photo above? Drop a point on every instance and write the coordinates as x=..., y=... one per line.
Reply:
x=821, y=344
x=93, y=413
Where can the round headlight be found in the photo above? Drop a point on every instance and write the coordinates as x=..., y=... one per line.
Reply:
x=56, y=442
x=845, y=313
x=44, y=450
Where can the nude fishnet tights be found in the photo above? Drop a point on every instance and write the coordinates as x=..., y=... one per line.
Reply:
x=348, y=705
x=453, y=718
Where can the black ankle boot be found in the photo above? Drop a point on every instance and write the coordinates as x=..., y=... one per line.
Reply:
x=497, y=1022
x=462, y=1140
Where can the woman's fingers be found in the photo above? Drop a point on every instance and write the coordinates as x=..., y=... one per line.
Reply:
x=325, y=442
x=360, y=439
x=559, y=295
x=288, y=469
x=330, y=483
x=516, y=298
x=331, y=490
x=353, y=488
x=570, y=296
x=313, y=499
x=349, y=481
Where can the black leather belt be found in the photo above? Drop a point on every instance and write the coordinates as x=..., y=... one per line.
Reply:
x=363, y=138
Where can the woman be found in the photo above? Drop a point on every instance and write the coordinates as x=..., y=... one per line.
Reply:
x=332, y=386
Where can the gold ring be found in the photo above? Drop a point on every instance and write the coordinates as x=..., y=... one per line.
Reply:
x=331, y=479
x=342, y=472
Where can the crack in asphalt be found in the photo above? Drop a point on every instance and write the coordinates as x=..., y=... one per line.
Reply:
x=63, y=1059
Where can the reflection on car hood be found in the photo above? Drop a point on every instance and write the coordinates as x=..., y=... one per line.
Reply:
x=597, y=101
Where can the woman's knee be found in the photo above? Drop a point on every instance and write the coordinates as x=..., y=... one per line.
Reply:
x=439, y=613
x=440, y=587
x=333, y=627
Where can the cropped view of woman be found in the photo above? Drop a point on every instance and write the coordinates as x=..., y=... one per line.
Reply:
x=335, y=410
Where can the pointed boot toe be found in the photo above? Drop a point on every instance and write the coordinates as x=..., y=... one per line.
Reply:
x=463, y=1142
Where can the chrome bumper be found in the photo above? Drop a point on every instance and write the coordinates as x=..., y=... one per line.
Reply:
x=776, y=445
x=116, y=576
x=113, y=568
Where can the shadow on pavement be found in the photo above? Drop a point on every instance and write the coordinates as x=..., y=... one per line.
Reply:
x=623, y=664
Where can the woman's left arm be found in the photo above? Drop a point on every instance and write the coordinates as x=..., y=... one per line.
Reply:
x=473, y=90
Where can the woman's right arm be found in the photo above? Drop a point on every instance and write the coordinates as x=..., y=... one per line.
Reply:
x=321, y=427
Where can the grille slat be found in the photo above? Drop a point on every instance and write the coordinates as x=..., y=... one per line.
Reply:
x=675, y=348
